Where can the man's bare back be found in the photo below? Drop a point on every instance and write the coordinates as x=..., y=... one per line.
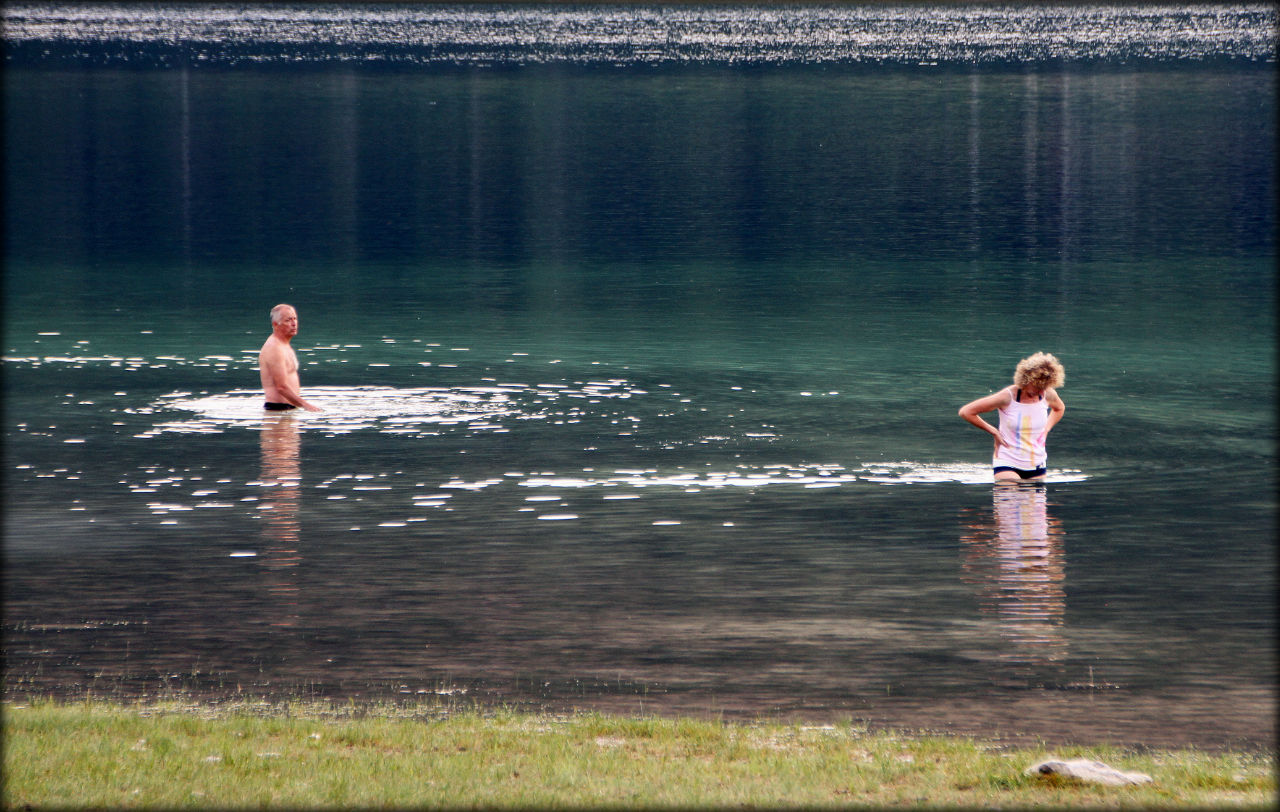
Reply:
x=278, y=364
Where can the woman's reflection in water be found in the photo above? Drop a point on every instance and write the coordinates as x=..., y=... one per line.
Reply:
x=281, y=477
x=1015, y=559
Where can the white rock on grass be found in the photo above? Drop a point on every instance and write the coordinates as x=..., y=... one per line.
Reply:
x=1083, y=769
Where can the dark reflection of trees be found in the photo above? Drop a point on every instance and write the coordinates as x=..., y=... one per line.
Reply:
x=281, y=477
x=1014, y=557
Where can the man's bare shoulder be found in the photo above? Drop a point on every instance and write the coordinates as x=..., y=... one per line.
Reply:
x=271, y=347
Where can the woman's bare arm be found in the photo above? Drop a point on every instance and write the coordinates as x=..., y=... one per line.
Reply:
x=1056, y=409
x=972, y=412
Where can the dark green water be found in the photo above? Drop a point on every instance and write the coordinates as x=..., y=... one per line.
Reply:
x=641, y=388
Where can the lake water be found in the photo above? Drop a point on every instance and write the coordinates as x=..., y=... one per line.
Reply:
x=640, y=334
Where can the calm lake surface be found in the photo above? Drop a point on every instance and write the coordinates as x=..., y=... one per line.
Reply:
x=640, y=335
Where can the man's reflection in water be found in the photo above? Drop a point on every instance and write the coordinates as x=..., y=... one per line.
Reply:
x=1016, y=561
x=281, y=479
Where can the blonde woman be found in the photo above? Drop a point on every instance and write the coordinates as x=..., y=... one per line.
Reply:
x=1028, y=410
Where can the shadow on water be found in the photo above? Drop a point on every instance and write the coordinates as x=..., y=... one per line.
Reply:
x=1016, y=564
x=281, y=528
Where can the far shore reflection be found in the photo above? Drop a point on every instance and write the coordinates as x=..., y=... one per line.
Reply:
x=281, y=530
x=1015, y=560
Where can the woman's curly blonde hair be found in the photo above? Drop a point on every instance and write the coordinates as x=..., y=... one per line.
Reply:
x=1040, y=372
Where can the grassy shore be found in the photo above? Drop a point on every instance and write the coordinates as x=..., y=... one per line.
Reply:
x=91, y=753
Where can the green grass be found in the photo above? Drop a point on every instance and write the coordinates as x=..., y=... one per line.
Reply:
x=92, y=753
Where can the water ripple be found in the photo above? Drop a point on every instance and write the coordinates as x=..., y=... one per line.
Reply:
x=353, y=408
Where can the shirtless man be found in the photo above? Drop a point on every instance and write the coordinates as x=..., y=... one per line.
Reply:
x=279, y=365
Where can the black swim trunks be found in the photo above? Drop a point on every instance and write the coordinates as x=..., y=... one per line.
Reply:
x=278, y=407
x=1024, y=474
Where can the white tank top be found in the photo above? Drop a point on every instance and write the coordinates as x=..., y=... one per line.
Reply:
x=1022, y=427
